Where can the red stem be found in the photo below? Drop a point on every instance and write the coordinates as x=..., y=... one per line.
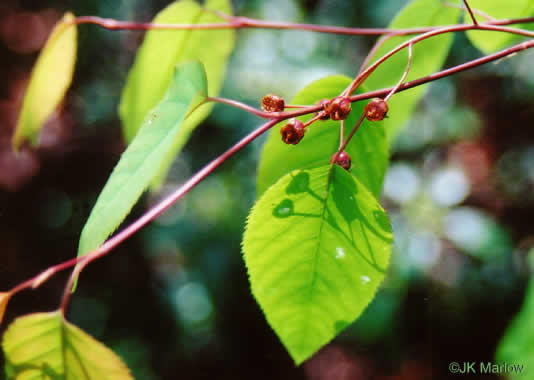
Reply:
x=235, y=22
x=456, y=28
x=159, y=208
x=444, y=73
x=373, y=50
x=470, y=12
x=167, y=202
x=404, y=75
x=475, y=11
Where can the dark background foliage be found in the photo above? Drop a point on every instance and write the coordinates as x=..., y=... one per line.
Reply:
x=174, y=300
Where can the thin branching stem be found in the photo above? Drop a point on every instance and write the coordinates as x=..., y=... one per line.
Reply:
x=150, y=215
x=163, y=205
x=365, y=74
x=373, y=50
x=444, y=73
x=274, y=118
x=470, y=12
x=341, y=134
x=237, y=22
x=404, y=75
x=475, y=11
x=343, y=145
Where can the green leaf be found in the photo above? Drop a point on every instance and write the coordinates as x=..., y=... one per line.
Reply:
x=158, y=55
x=368, y=149
x=50, y=79
x=428, y=57
x=137, y=166
x=516, y=347
x=45, y=346
x=316, y=246
x=489, y=42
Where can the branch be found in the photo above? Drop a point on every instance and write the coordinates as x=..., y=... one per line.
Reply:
x=475, y=11
x=444, y=73
x=150, y=215
x=163, y=205
x=360, y=78
x=470, y=13
x=373, y=50
x=235, y=22
x=404, y=75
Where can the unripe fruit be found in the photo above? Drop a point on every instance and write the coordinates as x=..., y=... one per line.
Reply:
x=323, y=103
x=339, y=108
x=292, y=132
x=272, y=103
x=343, y=160
x=376, y=109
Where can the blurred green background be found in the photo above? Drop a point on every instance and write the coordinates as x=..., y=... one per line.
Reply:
x=174, y=300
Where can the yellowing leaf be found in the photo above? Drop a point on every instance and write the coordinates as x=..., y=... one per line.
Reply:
x=50, y=79
x=4, y=299
x=46, y=346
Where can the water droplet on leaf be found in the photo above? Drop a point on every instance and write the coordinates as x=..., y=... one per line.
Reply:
x=284, y=209
x=340, y=253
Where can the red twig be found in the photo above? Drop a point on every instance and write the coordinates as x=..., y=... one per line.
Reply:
x=365, y=74
x=373, y=50
x=343, y=145
x=470, y=12
x=475, y=11
x=234, y=22
x=159, y=208
x=404, y=75
x=193, y=181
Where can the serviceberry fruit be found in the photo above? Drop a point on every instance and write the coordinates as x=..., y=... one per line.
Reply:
x=323, y=103
x=376, y=109
x=339, y=108
x=343, y=160
x=272, y=103
x=292, y=132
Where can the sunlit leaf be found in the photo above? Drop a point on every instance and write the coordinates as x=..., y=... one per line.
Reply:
x=4, y=300
x=368, y=149
x=489, y=42
x=516, y=346
x=136, y=168
x=428, y=57
x=50, y=79
x=161, y=51
x=317, y=246
x=46, y=346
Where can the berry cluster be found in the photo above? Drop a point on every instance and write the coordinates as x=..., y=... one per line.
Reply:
x=336, y=109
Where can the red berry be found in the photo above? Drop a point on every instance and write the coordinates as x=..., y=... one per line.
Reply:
x=323, y=103
x=376, y=109
x=338, y=109
x=342, y=109
x=343, y=160
x=272, y=103
x=292, y=132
